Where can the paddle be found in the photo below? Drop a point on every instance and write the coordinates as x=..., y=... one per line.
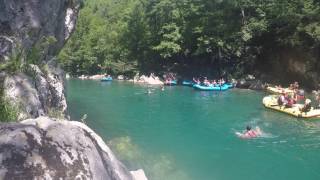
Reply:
x=272, y=105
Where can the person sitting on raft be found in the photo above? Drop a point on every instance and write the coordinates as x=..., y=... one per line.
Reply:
x=282, y=99
x=251, y=133
x=168, y=80
x=214, y=83
x=279, y=87
x=291, y=87
x=300, y=94
x=206, y=82
x=222, y=81
x=290, y=102
x=296, y=85
x=196, y=81
x=306, y=107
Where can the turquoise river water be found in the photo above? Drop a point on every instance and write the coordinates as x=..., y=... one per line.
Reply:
x=183, y=134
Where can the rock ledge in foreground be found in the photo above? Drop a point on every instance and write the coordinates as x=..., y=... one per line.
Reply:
x=45, y=148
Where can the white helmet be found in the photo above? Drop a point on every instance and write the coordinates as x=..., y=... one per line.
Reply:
x=308, y=101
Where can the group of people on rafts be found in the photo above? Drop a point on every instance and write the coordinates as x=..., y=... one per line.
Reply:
x=294, y=86
x=207, y=82
x=170, y=78
x=288, y=100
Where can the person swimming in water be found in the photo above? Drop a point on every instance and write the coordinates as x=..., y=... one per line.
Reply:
x=250, y=133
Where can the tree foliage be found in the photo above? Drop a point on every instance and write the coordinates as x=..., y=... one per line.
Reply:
x=154, y=34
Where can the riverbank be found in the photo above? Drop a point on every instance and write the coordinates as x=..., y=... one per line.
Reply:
x=245, y=83
x=143, y=79
x=248, y=82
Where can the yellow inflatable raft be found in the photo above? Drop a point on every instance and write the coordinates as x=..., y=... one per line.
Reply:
x=276, y=90
x=271, y=103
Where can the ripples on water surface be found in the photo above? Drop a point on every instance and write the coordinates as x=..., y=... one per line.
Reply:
x=182, y=134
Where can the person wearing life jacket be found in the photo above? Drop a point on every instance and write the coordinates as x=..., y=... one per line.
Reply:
x=307, y=106
x=206, y=82
x=214, y=82
x=290, y=102
x=282, y=99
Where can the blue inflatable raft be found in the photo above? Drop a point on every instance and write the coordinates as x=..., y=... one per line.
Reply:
x=187, y=83
x=230, y=85
x=171, y=83
x=210, y=88
x=106, y=79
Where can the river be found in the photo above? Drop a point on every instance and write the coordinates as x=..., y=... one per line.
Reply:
x=183, y=134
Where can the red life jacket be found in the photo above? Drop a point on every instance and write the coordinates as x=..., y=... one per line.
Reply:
x=251, y=133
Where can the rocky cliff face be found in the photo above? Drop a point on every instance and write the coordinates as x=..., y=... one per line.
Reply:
x=25, y=23
x=31, y=34
x=286, y=65
x=45, y=148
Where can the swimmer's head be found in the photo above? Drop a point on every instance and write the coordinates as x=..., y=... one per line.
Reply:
x=248, y=128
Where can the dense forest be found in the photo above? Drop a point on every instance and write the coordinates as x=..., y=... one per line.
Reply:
x=190, y=37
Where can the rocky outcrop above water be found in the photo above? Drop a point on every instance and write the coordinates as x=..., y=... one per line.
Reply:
x=47, y=148
x=36, y=93
x=31, y=34
x=152, y=79
x=250, y=82
x=284, y=65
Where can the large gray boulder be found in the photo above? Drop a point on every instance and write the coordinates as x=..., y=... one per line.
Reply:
x=46, y=148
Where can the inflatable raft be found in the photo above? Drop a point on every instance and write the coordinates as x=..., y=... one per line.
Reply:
x=106, y=79
x=187, y=83
x=271, y=103
x=276, y=90
x=210, y=88
x=230, y=85
x=171, y=83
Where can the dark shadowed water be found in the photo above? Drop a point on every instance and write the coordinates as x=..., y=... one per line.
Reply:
x=182, y=134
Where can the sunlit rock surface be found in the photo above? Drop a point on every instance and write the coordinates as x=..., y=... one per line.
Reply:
x=45, y=148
